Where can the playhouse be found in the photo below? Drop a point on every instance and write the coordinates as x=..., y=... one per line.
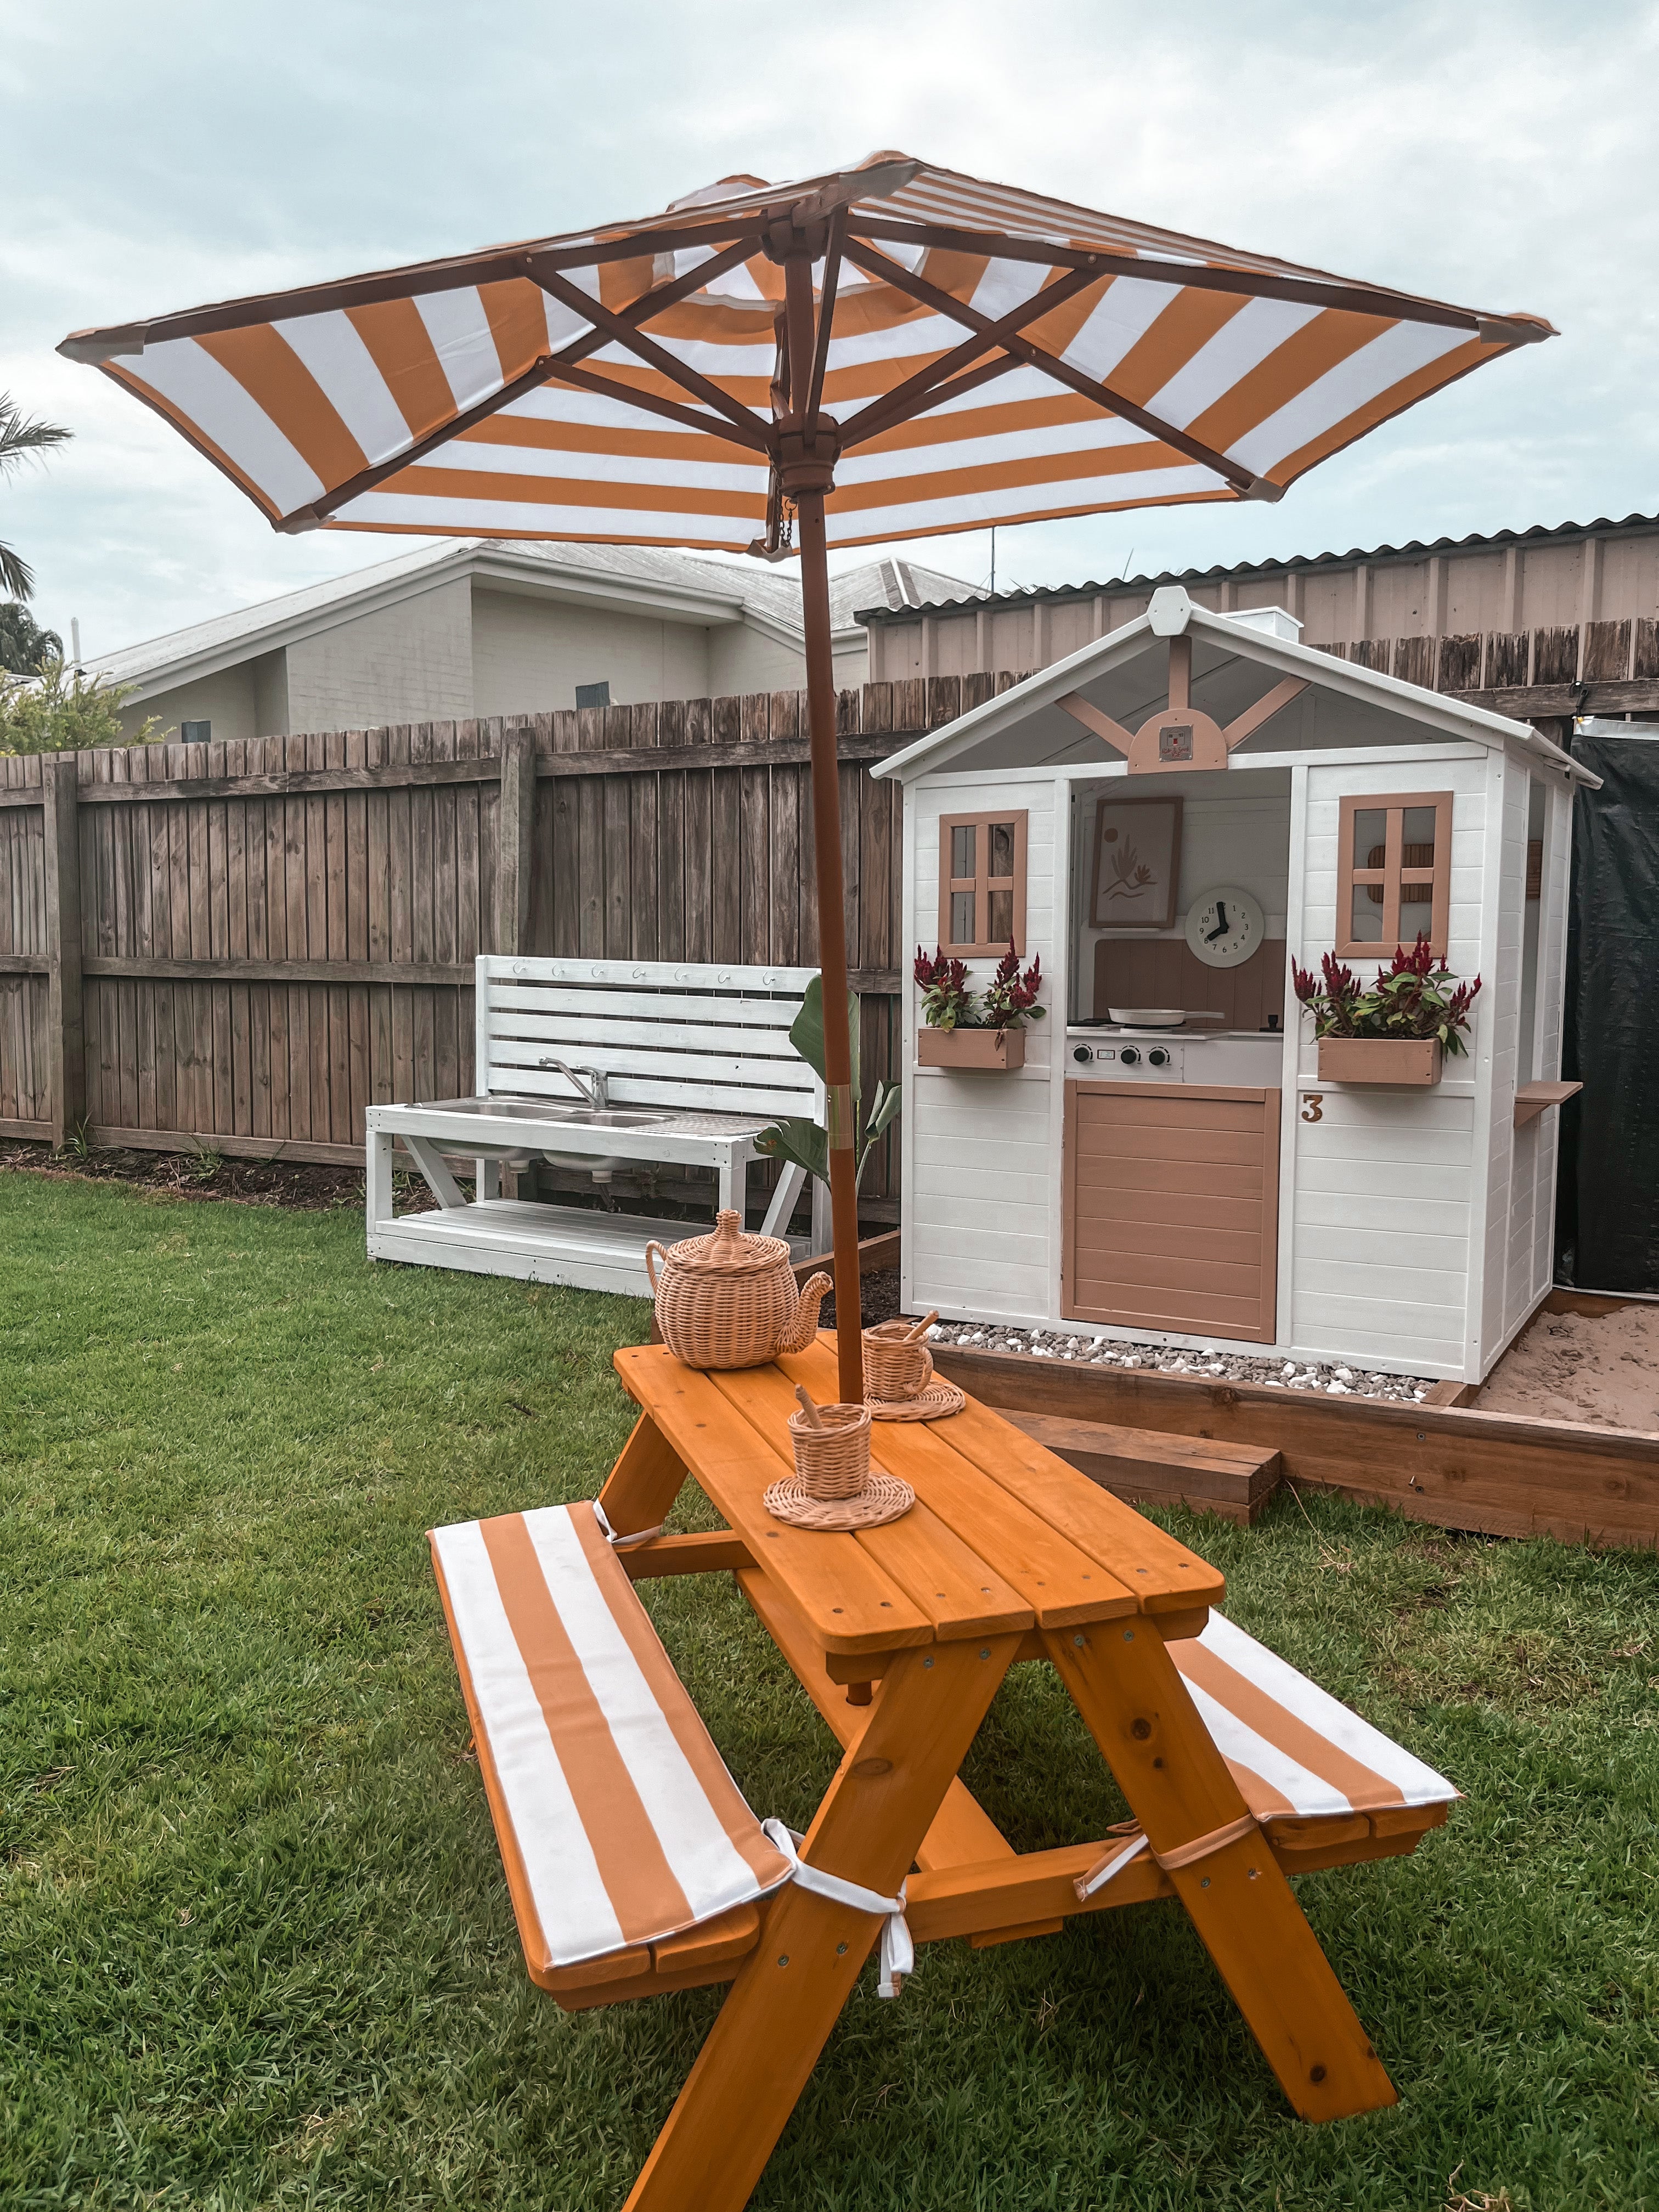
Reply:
x=1168, y=819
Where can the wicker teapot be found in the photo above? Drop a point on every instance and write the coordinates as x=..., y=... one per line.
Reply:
x=728, y=1300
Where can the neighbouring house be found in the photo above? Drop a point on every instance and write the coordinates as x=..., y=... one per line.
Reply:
x=1542, y=622
x=475, y=628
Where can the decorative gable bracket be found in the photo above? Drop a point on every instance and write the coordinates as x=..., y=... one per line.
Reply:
x=1181, y=735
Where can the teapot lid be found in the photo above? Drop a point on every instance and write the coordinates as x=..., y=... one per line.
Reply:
x=727, y=1251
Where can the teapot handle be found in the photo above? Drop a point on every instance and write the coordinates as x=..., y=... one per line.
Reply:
x=651, y=1272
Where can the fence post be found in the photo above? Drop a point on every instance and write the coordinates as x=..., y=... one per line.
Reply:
x=66, y=1043
x=515, y=825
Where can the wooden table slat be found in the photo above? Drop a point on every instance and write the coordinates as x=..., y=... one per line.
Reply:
x=948, y=1581
x=1064, y=1583
x=848, y=1602
x=1164, y=1575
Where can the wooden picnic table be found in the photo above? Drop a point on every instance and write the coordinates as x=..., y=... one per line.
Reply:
x=1008, y=1554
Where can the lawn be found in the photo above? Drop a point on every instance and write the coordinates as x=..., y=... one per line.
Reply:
x=255, y=1945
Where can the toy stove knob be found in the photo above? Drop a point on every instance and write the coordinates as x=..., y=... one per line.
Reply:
x=1130, y=1055
x=1082, y=1053
x=1158, y=1056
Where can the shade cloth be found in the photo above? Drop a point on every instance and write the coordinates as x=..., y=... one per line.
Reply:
x=1070, y=361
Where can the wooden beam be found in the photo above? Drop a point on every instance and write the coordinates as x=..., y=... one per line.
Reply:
x=1102, y=725
x=234, y=968
x=1241, y=479
x=748, y=426
x=1247, y=724
x=66, y=1036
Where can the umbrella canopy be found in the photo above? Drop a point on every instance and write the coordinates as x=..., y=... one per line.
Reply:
x=889, y=351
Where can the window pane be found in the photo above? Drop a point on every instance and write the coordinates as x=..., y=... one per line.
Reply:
x=962, y=916
x=1002, y=918
x=1416, y=910
x=1365, y=923
x=1417, y=835
x=962, y=842
x=1370, y=828
x=1002, y=848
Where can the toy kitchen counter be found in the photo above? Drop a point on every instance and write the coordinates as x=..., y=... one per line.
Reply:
x=1107, y=1051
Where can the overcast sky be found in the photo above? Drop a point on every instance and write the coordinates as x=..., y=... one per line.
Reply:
x=1502, y=156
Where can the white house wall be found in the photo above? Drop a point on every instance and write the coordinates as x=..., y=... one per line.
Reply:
x=409, y=662
x=1531, y=1258
x=1499, y=1044
x=226, y=700
x=1379, y=1204
x=529, y=654
x=981, y=1159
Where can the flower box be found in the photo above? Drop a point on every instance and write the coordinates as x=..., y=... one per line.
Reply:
x=1379, y=1060
x=990, y=1049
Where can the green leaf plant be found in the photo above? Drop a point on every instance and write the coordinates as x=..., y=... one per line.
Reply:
x=1409, y=999
x=807, y=1143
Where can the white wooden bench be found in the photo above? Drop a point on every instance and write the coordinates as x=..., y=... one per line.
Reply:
x=692, y=1063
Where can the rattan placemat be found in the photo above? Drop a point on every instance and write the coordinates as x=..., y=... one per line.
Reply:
x=885, y=1497
x=936, y=1403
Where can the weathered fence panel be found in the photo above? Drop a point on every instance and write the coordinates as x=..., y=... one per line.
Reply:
x=243, y=945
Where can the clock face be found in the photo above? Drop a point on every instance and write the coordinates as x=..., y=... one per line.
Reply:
x=1225, y=926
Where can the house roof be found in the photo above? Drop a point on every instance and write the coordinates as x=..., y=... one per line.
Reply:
x=1106, y=674
x=1248, y=571
x=639, y=578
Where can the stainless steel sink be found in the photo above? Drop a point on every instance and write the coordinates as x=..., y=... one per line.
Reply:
x=605, y=1117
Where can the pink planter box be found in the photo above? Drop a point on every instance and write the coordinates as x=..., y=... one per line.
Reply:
x=990, y=1049
x=1379, y=1060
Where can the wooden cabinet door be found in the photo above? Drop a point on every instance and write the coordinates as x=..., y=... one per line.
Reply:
x=1171, y=1208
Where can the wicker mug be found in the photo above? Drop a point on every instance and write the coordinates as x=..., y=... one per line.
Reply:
x=833, y=1461
x=894, y=1369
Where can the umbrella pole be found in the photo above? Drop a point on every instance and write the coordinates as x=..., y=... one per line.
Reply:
x=832, y=944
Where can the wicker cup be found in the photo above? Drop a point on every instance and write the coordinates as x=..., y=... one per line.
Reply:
x=894, y=1369
x=728, y=1300
x=833, y=1462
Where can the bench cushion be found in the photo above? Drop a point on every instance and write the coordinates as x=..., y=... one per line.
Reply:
x=618, y=1821
x=1293, y=1750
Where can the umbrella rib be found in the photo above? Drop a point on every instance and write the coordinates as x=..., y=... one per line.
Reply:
x=878, y=264
x=927, y=384
x=826, y=313
x=1206, y=275
x=656, y=303
x=748, y=425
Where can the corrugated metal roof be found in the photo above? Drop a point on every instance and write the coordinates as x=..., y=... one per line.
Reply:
x=1244, y=571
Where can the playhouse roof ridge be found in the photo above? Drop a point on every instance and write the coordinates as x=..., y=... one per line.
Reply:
x=1173, y=611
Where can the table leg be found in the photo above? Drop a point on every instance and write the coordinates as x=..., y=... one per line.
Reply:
x=743, y=2087
x=644, y=1481
x=1139, y=1712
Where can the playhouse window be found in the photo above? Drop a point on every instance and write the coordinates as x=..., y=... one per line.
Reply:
x=1394, y=878
x=981, y=883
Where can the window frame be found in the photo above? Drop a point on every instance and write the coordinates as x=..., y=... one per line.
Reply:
x=982, y=882
x=1393, y=805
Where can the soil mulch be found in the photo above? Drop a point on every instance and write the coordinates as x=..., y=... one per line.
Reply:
x=297, y=1184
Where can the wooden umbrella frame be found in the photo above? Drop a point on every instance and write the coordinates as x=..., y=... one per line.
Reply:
x=831, y=220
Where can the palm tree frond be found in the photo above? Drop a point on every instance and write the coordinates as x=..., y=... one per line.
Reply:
x=16, y=577
x=19, y=435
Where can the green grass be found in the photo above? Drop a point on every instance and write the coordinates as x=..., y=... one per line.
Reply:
x=255, y=1945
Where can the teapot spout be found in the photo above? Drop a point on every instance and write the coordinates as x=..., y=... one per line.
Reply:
x=803, y=1326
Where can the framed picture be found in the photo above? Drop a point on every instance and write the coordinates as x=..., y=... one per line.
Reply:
x=1137, y=864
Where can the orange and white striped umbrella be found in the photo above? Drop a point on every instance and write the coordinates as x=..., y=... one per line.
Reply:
x=990, y=356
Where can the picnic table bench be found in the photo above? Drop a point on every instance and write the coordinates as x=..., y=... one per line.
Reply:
x=689, y=1062
x=1237, y=1769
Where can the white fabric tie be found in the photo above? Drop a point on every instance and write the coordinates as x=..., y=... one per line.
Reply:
x=616, y=1542
x=1103, y=1874
x=898, y=1952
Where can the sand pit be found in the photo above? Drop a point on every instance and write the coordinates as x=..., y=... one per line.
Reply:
x=1601, y=1368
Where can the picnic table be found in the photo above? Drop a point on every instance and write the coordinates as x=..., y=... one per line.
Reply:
x=1008, y=1555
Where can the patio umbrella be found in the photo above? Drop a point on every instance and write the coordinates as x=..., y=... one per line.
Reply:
x=888, y=351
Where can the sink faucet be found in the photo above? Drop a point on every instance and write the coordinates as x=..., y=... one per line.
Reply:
x=594, y=1091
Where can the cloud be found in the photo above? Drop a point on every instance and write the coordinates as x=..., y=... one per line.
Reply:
x=1494, y=154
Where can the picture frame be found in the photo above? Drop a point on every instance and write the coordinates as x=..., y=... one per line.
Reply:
x=1137, y=863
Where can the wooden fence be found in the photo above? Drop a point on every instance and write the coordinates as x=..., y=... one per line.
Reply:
x=242, y=946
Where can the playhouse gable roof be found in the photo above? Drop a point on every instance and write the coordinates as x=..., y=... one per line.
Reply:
x=1235, y=662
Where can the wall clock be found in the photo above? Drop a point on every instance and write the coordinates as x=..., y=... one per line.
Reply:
x=1225, y=926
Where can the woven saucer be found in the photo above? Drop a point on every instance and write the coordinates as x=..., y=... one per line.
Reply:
x=936, y=1403
x=883, y=1498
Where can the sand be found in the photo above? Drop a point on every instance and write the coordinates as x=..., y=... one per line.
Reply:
x=1602, y=1368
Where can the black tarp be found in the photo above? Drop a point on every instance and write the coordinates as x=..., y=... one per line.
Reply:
x=1606, y=1216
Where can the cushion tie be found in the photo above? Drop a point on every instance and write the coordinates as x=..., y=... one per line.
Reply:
x=898, y=1954
x=634, y=1536
x=1179, y=1856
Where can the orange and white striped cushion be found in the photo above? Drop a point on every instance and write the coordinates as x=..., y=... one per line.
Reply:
x=618, y=1821
x=1292, y=1748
